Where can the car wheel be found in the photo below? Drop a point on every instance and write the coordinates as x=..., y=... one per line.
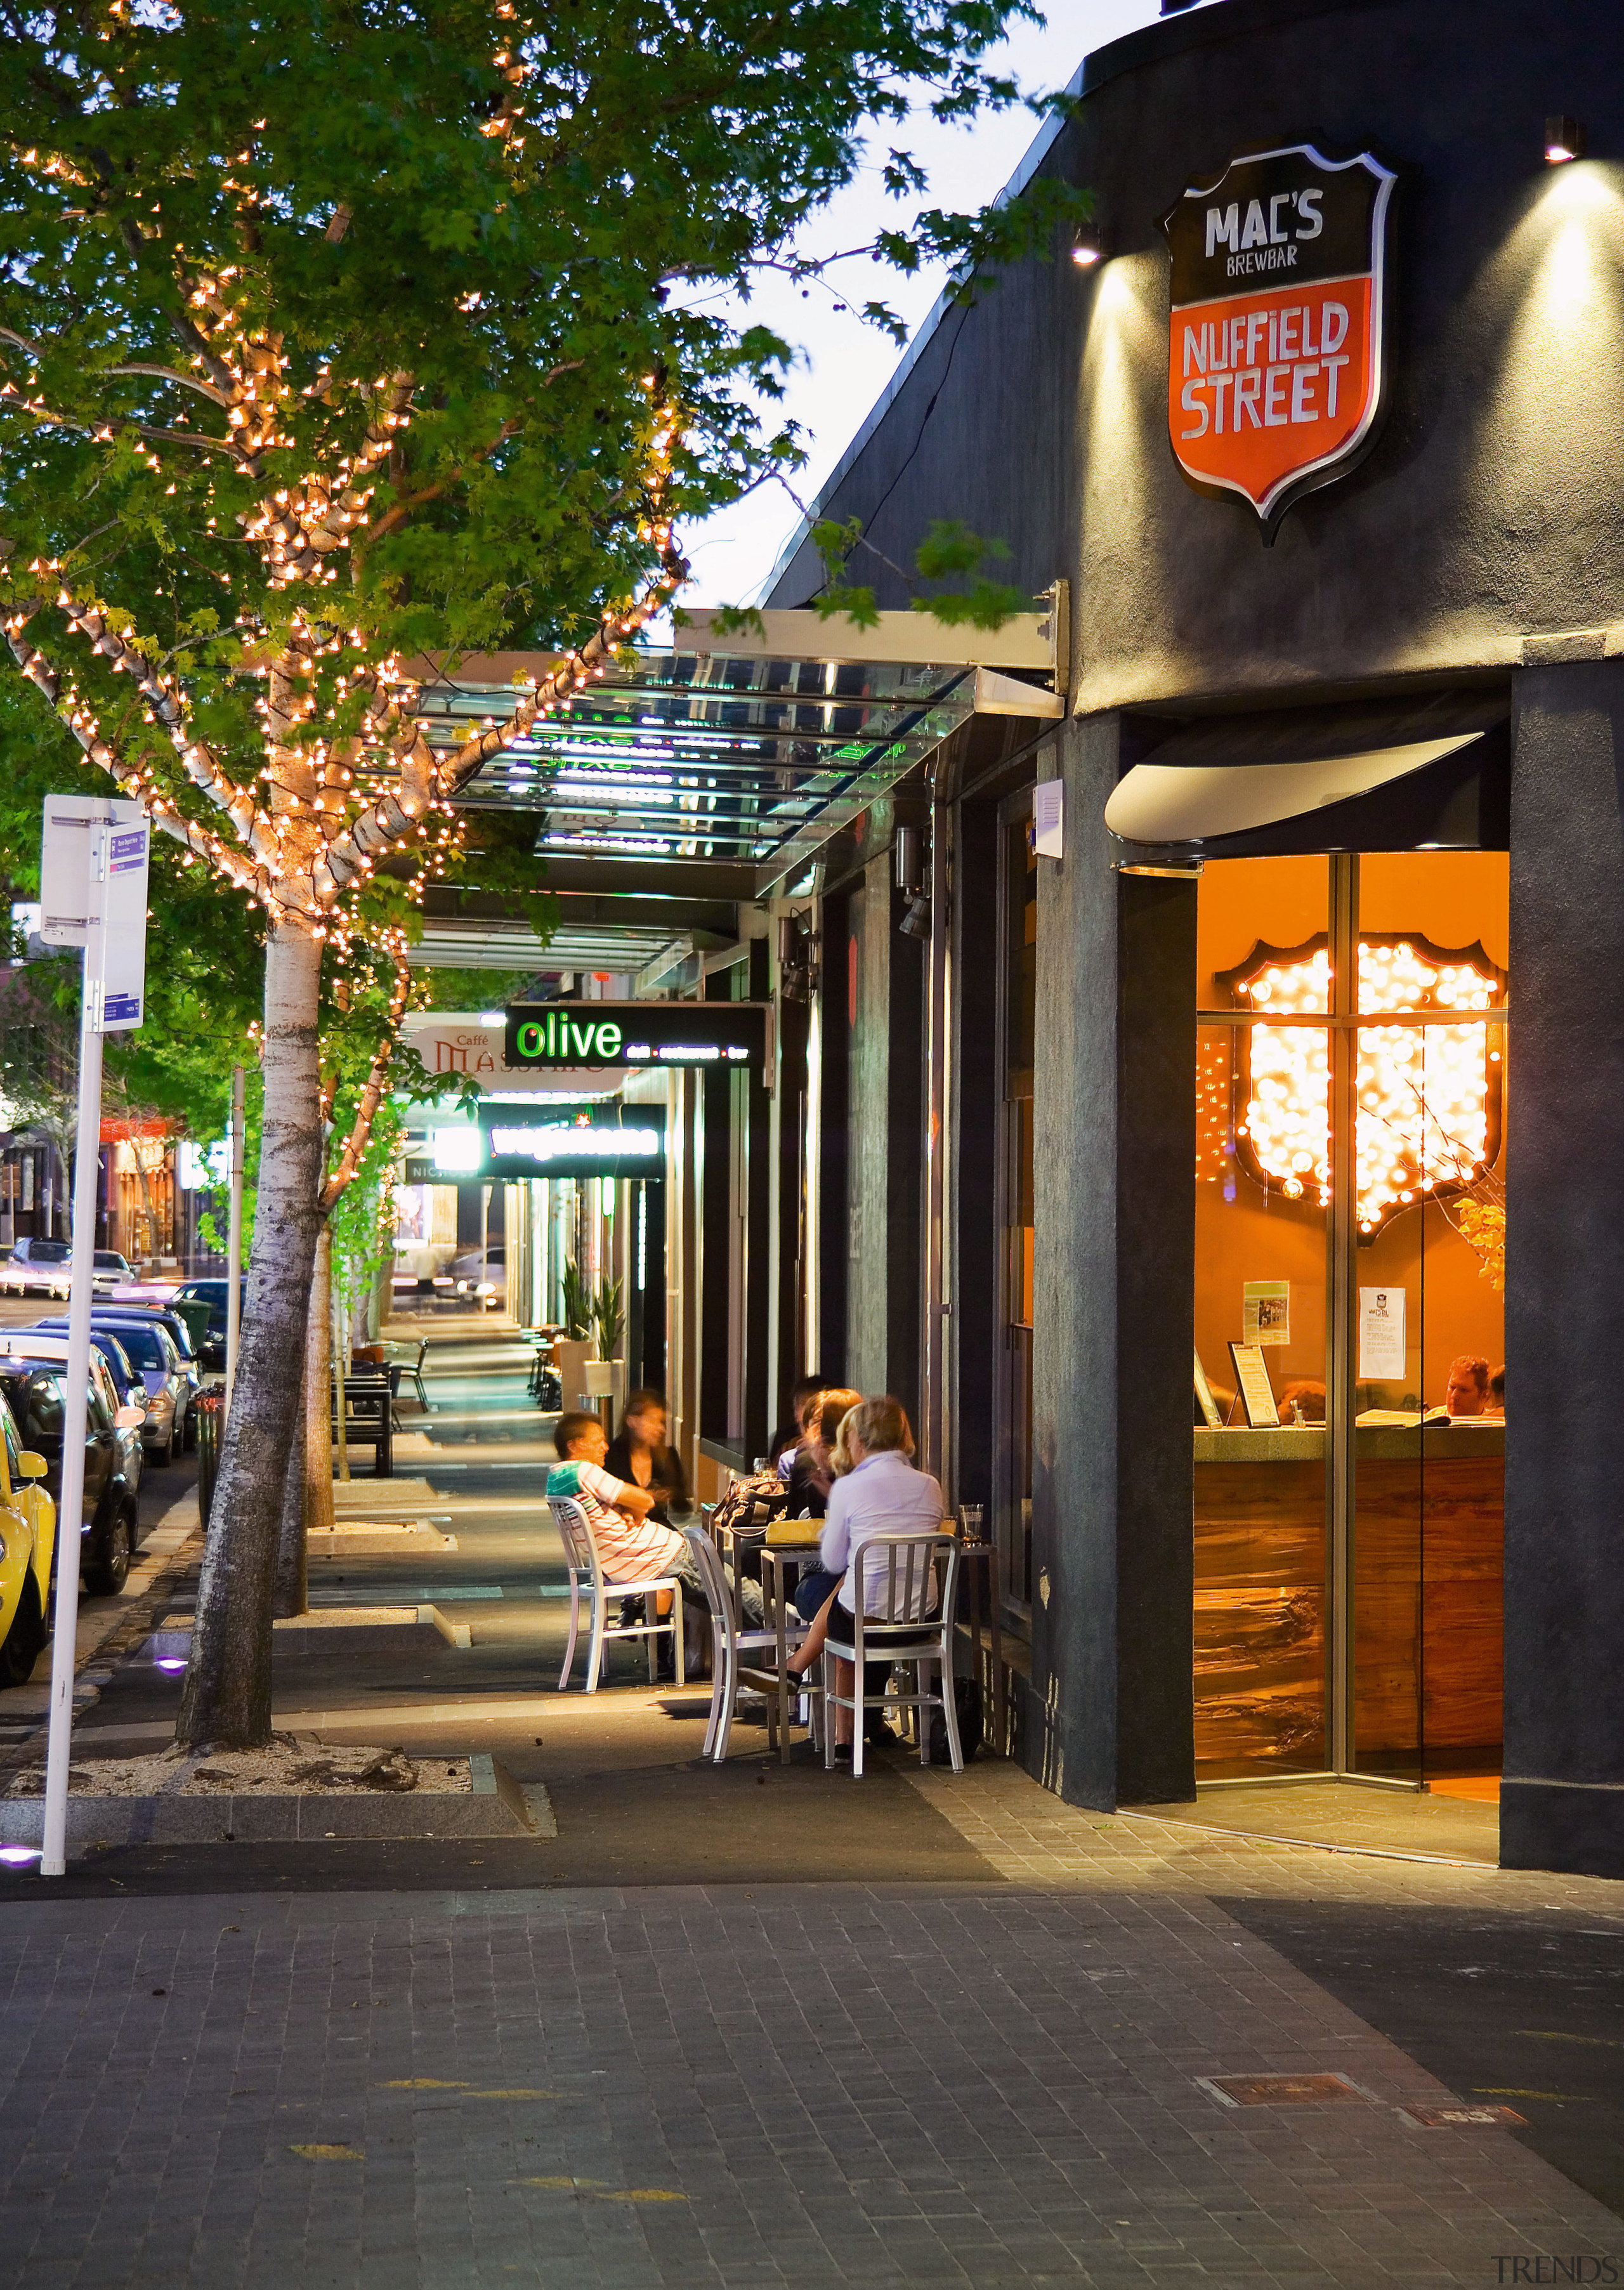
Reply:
x=111, y=1571
x=19, y=1648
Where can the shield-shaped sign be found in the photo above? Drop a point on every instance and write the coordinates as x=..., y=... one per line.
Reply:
x=1275, y=376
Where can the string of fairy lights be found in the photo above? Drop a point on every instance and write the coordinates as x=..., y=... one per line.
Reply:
x=334, y=803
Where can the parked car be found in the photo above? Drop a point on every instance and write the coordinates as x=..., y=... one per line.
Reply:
x=109, y=1269
x=126, y=1377
x=38, y=1268
x=215, y=1294
x=149, y=1342
x=28, y=1533
x=33, y=1383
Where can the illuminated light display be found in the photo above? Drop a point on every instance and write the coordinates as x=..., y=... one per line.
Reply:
x=1429, y=1096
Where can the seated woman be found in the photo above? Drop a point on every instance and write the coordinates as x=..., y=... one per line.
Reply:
x=876, y=1491
x=640, y=1456
x=812, y=1473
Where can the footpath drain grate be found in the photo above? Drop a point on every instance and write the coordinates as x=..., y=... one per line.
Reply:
x=1461, y=2115
x=1280, y=2090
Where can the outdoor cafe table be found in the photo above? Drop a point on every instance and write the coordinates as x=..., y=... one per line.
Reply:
x=775, y=1559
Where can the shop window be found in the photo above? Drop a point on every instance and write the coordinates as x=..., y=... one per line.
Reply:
x=1349, y=1429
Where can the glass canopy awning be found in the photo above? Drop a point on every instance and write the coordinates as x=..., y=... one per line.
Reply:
x=700, y=755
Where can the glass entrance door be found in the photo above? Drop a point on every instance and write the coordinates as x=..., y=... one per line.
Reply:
x=1348, y=1406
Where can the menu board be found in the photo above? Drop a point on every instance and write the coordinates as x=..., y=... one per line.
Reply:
x=1257, y=1393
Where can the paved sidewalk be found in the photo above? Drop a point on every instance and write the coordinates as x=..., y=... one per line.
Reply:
x=798, y=2086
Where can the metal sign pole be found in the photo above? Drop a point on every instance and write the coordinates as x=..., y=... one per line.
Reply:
x=112, y=928
x=71, y=1509
x=234, y=1244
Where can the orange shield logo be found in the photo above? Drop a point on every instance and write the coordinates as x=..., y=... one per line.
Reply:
x=1277, y=346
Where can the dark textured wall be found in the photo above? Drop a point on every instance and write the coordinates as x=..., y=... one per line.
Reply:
x=1115, y=1145
x=1156, y=1288
x=975, y=1348
x=1488, y=508
x=1562, y=1802
x=1071, y=1740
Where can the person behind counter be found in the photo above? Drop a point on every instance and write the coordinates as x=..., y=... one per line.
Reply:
x=1467, y=1392
x=640, y=1456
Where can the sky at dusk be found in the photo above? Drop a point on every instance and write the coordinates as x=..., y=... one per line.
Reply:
x=844, y=364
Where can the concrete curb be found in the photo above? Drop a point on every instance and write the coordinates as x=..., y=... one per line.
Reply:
x=499, y=1806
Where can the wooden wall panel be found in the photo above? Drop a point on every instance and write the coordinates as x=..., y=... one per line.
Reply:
x=1259, y=1615
x=1429, y=1610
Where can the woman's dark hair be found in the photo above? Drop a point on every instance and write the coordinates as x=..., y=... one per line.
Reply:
x=638, y=1402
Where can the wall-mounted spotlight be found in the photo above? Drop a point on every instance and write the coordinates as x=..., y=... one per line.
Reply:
x=908, y=860
x=1564, y=139
x=1086, y=248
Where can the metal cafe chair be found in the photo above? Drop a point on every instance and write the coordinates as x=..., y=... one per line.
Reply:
x=731, y=1649
x=580, y=1556
x=917, y=1569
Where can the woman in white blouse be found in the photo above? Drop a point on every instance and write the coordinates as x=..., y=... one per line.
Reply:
x=876, y=1491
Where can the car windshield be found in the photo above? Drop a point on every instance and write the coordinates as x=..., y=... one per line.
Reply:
x=106, y=1261
x=116, y=1358
x=36, y=1402
x=49, y=1252
x=144, y=1346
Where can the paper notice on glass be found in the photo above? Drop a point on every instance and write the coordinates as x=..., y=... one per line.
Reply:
x=1381, y=1335
x=1266, y=1311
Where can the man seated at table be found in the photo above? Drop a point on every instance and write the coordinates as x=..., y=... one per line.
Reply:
x=632, y=1548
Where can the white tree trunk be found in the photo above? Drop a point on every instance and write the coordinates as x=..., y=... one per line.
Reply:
x=227, y=1696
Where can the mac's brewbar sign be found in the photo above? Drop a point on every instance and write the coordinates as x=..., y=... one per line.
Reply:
x=637, y=1034
x=1275, y=375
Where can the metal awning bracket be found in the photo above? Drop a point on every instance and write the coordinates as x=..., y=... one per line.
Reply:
x=1006, y=695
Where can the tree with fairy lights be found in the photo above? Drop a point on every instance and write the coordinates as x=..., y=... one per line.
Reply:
x=335, y=345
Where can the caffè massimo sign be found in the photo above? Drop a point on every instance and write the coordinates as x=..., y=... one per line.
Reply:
x=1277, y=345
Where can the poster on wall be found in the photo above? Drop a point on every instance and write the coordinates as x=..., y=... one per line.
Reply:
x=1266, y=1311
x=1277, y=340
x=1381, y=1335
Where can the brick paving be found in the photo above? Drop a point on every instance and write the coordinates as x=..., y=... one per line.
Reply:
x=587, y=2081
x=794, y=2085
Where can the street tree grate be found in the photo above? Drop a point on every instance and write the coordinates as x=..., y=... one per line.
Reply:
x=1280, y=2090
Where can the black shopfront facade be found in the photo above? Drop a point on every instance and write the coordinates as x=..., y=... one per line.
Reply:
x=1296, y=1041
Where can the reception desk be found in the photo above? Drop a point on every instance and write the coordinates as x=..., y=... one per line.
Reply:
x=1428, y=1537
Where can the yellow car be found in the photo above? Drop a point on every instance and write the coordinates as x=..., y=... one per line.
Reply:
x=27, y=1531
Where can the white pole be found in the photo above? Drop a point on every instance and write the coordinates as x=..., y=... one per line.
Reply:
x=53, y=1862
x=234, y=1244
